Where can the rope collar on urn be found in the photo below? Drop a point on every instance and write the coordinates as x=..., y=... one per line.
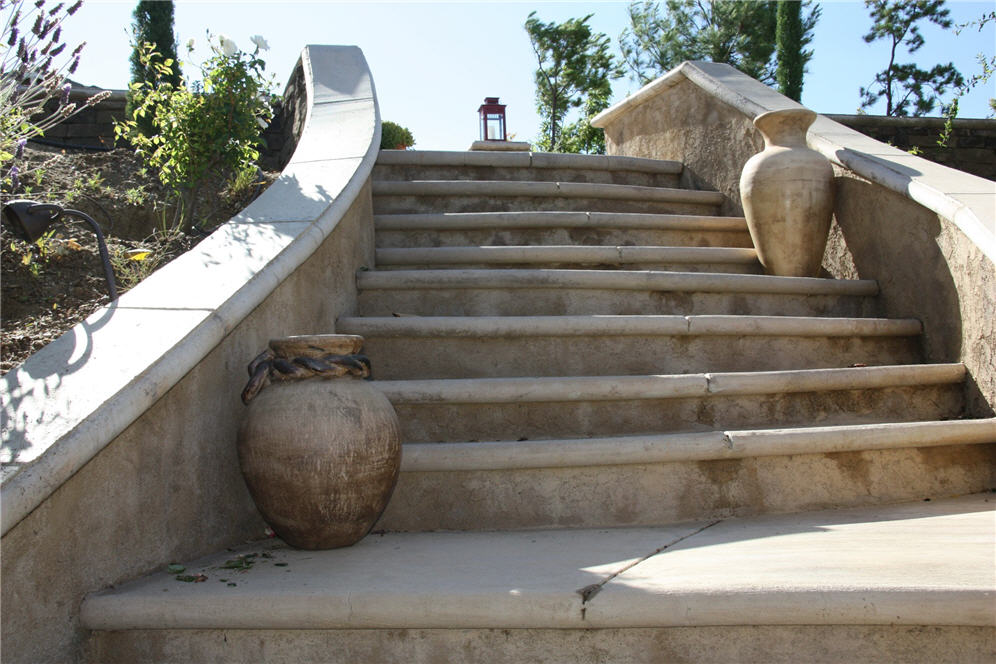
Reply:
x=301, y=357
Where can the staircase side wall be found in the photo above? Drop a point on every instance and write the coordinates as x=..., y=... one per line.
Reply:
x=927, y=233
x=124, y=457
x=711, y=138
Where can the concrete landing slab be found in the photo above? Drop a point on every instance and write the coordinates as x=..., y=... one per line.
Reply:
x=925, y=563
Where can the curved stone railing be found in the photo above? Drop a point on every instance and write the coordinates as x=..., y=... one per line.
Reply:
x=962, y=198
x=74, y=397
x=925, y=232
x=119, y=437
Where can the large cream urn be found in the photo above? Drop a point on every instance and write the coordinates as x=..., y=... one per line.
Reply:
x=787, y=194
x=319, y=447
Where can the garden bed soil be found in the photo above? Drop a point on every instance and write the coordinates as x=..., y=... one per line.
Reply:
x=48, y=287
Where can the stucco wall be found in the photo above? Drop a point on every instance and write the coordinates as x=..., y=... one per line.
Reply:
x=927, y=269
x=926, y=266
x=686, y=124
x=169, y=487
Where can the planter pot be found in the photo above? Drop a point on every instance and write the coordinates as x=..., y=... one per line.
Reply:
x=319, y=448
x=787, y=193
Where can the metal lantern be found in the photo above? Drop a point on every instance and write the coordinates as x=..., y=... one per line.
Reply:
x=492, y=116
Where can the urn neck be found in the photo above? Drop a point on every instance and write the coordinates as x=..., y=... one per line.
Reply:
x=786, y=127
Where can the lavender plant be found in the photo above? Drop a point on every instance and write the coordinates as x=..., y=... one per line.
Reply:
x=34, y=66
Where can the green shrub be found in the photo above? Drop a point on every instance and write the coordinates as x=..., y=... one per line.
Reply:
x=210, y=129
x=395, y=137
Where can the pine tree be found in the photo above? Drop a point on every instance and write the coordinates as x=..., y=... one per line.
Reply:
x=741, y=34
x=907, y=89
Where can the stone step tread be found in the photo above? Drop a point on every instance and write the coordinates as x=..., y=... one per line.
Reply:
x=653, y=280
x=443, y=221
x=703, y=446
x=525, y=160
x=503, y=255
x=922, y=563
x=506, y=188
x=672, y=386
x=625, y=325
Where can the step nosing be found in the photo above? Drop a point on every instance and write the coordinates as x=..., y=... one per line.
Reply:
x=564, y=253
x=505, y=188
x=530, y=160
x=626, y=325
x=665, y=386
x=451, y=221
x=645, y=280
x=683, y=447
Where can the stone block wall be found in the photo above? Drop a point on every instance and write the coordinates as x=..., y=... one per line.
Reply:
x=971, y=148
x=90, y=128
x=289, y=114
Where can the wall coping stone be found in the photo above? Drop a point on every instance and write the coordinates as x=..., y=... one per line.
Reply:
x=967, y=200
x=890, y=121
x=73, y=397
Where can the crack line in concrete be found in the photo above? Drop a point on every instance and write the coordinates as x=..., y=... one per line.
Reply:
x=590, y=591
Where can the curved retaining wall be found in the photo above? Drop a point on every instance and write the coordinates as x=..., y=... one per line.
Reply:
x=926, y=232
x=119, y=437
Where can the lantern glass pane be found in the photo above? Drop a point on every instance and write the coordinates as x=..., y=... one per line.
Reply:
x=494, y=129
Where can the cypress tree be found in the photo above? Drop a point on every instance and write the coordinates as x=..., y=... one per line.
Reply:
x=789, y=55
x=153, y=23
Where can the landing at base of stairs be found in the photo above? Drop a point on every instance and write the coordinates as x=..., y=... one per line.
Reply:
x=895, y=576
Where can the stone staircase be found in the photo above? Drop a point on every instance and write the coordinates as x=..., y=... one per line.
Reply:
x=612, y=412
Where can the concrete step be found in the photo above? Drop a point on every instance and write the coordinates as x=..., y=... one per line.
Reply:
x=479, y=409
x=391, y=196
x=908, y=582
x=558, y=228
x=484, y=346
x=656, y=479
x=517, y=292
x=688, y=259
x=436, y=165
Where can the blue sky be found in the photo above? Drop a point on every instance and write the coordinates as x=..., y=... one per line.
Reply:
x=433, y=63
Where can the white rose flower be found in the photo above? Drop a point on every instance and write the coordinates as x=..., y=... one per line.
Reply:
x=260, y=42
x=228, y=47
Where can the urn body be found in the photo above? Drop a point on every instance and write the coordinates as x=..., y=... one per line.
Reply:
x=321, y=457
x=787, y=193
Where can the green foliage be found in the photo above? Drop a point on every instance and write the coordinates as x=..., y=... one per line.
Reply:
x=907, y=89
x=211, y=129
x=574, y=71
x=395, y=137
x=790, y=40
x=34, y=65
x=153, y=24
x=741, y=34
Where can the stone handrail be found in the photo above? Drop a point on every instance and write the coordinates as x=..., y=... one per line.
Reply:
x=70, y=400
x=924, y=232
x=966, y=200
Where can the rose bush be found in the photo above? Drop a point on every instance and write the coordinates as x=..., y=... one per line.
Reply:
x=210, y=128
